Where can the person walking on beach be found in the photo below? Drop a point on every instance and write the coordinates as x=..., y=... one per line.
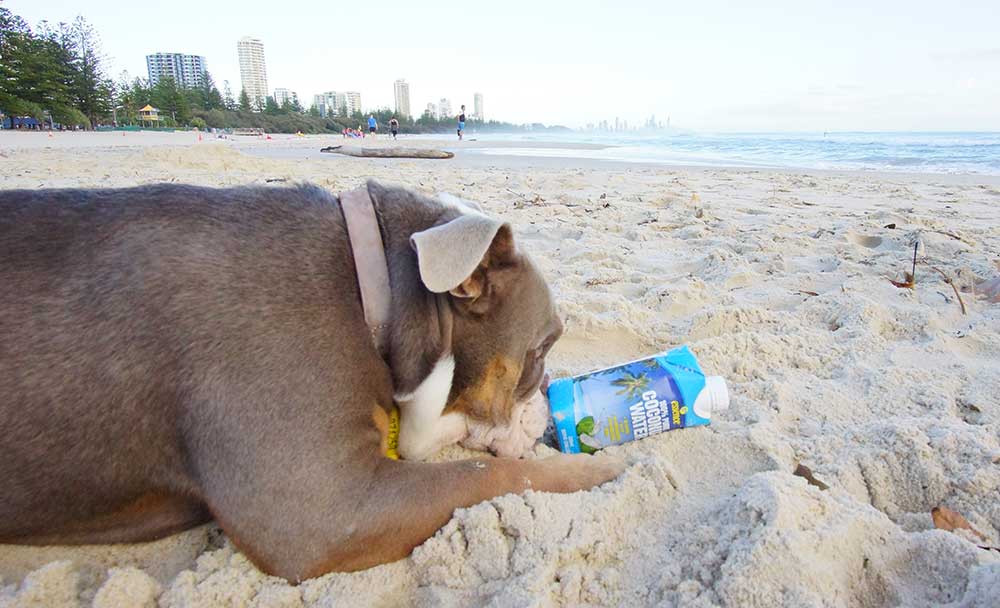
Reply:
x=393, y=126
x=372, y=124
x=461, y=123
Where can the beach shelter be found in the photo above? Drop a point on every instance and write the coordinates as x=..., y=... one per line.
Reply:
x=149, y=114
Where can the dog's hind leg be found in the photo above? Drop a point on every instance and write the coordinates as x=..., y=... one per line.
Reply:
x=148, y=517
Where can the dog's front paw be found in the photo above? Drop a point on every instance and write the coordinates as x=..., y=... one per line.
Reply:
x=573, y=472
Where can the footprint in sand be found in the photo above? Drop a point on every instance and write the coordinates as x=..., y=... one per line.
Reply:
x=871, y=242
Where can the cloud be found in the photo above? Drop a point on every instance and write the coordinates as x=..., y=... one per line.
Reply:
x=992, y=54
x=837, y=90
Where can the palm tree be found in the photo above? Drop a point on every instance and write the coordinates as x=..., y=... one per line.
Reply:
x=632, y=385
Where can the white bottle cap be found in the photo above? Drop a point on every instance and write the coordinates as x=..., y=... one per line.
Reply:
x=713, y=398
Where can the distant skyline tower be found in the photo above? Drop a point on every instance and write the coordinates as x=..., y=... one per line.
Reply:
x=188, y=71
x=432, y=109
x=444, y=109
x=350, y=100
x=253, y=71
x=337, y=103
x=282, y=95
x=478, y=106
x=402, y=94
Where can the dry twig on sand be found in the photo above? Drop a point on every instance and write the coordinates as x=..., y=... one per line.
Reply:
x=911, y=279
x=947, y=279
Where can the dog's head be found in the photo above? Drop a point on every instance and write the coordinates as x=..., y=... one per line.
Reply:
x=504, y=323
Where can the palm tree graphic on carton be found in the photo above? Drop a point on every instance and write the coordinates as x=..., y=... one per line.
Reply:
x=630, y=385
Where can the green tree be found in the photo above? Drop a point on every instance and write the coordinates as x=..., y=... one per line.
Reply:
x=245, y=101
x=91, y=89
x=15, y=40
x=227, y=96
x=212, y=99
x=170, y=101
x=271, y=107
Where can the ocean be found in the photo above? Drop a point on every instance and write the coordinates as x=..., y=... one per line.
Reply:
x=929, y=152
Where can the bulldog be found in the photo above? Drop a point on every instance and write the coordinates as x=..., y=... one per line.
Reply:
x=172, y=354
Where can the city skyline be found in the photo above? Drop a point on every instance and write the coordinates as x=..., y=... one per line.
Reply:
x=253, y=78
x=712, y=65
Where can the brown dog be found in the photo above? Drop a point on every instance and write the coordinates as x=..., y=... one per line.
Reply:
x=172, y=354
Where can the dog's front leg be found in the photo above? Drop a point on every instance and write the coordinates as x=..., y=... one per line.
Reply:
x=407, y=502
x=301, y=500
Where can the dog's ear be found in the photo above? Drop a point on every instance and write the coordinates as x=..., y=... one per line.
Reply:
x=458, y=256
x=450, y=200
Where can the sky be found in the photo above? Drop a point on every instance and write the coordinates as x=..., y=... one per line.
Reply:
x=803, y=65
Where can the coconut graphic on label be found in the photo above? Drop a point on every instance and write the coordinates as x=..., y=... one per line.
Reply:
x=587, y=430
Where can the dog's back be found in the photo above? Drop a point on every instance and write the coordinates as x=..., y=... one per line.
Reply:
x=123, y=309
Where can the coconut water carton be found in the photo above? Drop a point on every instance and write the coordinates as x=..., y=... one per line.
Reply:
x=638, y=399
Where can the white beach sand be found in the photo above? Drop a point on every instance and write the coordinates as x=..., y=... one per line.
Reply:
x=778, y=280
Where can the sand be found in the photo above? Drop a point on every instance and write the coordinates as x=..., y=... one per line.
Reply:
x=778, y=280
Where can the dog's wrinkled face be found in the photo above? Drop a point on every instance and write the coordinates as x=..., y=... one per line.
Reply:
x=499, y=344
x=503, y=324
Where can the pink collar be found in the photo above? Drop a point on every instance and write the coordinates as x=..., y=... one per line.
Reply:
x=369, y=263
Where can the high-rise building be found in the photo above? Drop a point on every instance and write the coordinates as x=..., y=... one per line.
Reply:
x=350, y=100
x=444, y=109
x=402, y=91
x=477, y=105
x=333, y=103
x=188, y=71
x=253, y=72
x=282, y=95
x=432, y=110
x=319, y=102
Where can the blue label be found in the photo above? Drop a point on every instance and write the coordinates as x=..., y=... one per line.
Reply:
x=628, y=402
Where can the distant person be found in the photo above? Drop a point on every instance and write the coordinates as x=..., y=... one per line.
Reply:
x=372, y=125
x=393, y=126
x=461, y=123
